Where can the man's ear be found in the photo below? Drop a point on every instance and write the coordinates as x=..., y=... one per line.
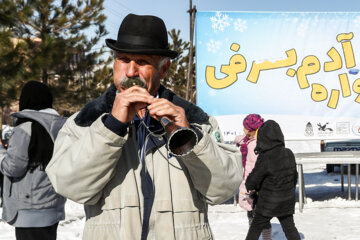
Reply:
x=164, y=69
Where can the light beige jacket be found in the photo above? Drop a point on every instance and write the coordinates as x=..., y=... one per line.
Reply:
x=94, y=166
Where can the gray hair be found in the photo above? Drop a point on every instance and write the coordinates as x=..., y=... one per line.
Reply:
x=162, y=61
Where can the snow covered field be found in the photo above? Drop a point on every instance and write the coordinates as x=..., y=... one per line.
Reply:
x=327, y=214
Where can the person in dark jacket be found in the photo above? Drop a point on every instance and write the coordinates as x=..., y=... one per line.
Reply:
x=30, y=203
x=274, y=178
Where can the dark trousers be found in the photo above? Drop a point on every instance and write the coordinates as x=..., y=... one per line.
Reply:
x=251, y=215
x=37, y=233
x=260, y=222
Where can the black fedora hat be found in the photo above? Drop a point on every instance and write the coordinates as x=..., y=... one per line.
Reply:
x=142, y=35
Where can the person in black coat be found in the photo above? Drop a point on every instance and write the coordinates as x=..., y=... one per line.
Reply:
x=274, y=178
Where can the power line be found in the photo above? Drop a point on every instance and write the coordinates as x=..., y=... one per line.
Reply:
x=111, y=15
x=121, y=4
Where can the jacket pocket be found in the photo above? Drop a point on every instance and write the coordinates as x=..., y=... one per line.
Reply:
x=121, y=192
x=179, y=205
x=25, y=199
x=20, y=189
x=188, y=218
x=118, y=202
x=100, y=217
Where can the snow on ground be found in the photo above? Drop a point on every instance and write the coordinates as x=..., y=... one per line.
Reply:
x=327, y=215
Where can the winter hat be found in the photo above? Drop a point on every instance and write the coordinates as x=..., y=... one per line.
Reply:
x=142, y=34
x=253, y=122
x=35, y=96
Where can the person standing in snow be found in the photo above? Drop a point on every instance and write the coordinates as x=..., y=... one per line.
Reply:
x=247, y=144
x=274, y=178
x=30, y=203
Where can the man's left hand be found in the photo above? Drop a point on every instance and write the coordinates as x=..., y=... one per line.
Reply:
x=161, y=107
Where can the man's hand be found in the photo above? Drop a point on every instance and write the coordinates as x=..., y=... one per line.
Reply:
x=128, y=102
x=160, y=107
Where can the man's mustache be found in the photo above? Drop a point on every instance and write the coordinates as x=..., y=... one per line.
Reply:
x=127, y=82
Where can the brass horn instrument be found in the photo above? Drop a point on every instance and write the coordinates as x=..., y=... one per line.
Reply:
x=180, y=140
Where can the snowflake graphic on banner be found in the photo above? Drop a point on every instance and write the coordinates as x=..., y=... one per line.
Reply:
x=357, y=21
x=240, y=25
x=213, y=46
x=302, y=29
x=220, y=21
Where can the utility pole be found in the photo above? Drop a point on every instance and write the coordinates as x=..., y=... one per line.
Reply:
x=1, y=122
x=192, y=12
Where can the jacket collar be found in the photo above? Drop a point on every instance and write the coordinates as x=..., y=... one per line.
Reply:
x=103, y=104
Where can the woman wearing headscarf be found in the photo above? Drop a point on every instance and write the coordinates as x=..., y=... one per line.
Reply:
x=247, y=144
x=30, y=203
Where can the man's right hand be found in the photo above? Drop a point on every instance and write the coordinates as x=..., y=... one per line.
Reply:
x=129, y=101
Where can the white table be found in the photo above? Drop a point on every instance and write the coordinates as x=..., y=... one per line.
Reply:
x=344, y=157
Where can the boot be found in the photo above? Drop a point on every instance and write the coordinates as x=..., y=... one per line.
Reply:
x=266, y=234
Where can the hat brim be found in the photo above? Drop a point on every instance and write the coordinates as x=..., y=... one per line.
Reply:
x=114, y=45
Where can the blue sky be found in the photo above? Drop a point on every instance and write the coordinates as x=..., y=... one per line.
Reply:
x=174, y=12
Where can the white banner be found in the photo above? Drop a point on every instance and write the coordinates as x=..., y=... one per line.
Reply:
x=299, y=69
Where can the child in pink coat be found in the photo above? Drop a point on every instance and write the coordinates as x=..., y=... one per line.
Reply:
x=247, y=144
